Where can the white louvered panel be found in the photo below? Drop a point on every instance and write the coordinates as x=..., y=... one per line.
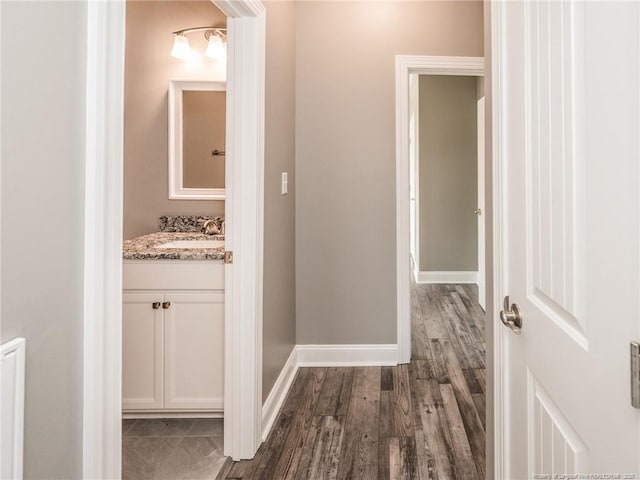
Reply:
x=555, y=164
x=12, y=373
x=554, y=446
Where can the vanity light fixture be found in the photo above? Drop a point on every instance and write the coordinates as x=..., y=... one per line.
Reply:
x=215, y=48
x=181, y=48
x=215, y=36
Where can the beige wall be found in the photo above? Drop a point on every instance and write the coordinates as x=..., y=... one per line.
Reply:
x=279, y=322
x=148, y=69
x=203, y=129
x=345, y=155
x=43, y=123
x=448, y=173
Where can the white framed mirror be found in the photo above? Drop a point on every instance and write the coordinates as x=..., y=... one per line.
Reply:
x=197, y=128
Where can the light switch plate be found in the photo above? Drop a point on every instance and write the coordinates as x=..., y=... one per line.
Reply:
x=285, y=183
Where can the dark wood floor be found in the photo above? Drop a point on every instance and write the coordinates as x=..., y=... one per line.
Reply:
x=425, y=420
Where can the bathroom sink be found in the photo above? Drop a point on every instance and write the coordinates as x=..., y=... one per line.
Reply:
x=192, y=244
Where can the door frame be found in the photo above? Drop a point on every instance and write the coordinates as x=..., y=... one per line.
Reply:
x=414, y=149
x=406, y=65
x=482, y=181
x=498, y=165
x=103, y=196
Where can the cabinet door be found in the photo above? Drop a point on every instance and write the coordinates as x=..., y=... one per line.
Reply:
x=142, y=351
x=194, y=351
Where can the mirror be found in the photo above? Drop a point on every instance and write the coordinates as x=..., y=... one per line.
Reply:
x=197, y=126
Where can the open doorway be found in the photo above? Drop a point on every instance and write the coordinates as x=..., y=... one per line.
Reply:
x=441, y=326
x=441, y=126
x=446, y=180
x=406, y=66
x=173, y=315
x=102, y=406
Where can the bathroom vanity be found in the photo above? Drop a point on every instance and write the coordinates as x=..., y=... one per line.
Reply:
x=173, y=325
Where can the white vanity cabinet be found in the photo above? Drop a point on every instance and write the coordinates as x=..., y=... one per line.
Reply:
x=173, y=336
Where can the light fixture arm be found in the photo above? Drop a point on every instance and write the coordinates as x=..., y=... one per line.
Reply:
x=220, y=31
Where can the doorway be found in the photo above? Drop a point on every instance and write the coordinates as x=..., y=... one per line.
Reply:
x=446, y=179
x=407, y=65
x=174, y=185
x=102, y=404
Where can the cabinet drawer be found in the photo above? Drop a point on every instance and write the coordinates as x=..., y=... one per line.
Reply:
x=173, y=275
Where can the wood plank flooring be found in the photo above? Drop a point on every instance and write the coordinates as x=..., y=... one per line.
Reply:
x=422, y=421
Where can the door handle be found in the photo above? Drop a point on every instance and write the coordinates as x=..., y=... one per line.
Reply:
x=510, y=316
x=155, y=305
x=166, y=305
x=478, y=211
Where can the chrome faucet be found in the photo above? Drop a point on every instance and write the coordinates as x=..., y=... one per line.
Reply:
x=210, y=227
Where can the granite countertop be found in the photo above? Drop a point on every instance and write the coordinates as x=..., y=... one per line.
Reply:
x=142, y=248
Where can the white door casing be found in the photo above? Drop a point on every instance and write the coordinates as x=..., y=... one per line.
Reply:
x=102, y=344
x=102, y=310
x=244, y=207
x=482, y=272
x=405, y=66
x=414, y=170
x=566, y=205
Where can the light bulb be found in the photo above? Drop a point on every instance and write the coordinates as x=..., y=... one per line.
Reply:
x=181, y=48
x=215, y=49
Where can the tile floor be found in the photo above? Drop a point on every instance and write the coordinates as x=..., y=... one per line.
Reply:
x=184, y=448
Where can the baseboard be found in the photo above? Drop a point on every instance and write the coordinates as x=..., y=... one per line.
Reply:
x=274, y=401
x=447, y=277
x=347, y=355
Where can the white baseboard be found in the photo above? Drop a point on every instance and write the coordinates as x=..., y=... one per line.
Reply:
x=274, y=401
x=447, y=277
x=347, y=355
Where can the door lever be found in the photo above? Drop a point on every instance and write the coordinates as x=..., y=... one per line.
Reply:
x=510, y=316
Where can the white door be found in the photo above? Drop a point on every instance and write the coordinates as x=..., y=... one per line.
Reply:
x=566, y=106
x=480, y=212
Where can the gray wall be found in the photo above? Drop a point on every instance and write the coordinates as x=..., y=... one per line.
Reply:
x=279, y=325
x=345, y=155
x=448, y=173
x=43, y=117
x=148, y=69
